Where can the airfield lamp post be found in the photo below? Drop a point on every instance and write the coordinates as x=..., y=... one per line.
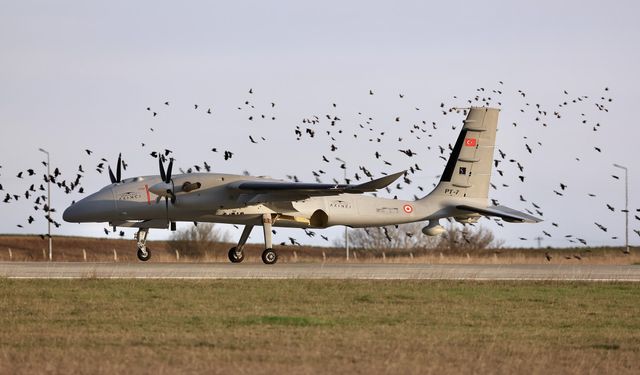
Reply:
x=626, y=205
x=346, y=235
x=48, y=203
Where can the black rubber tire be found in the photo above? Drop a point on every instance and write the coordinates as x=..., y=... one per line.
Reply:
x=142, y=257
x=233, y=256
x=269, y=256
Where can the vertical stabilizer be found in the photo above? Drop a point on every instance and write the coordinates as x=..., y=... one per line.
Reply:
x=468, y=170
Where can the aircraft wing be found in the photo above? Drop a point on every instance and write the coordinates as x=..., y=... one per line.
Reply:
x=274, y=191
x=503, y=212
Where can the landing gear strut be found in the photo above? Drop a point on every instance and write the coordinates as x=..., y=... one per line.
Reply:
x=143, y=252
x=236, y=255
x=269, y=256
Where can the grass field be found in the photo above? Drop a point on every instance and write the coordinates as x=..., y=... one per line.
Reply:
x=298, y=326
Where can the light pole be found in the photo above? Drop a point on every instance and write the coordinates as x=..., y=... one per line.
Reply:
x=346, y=235
x=626, y=205
x=48, y=203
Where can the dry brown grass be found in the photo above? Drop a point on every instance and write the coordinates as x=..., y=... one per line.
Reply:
x=33, y=248
x=298, y=326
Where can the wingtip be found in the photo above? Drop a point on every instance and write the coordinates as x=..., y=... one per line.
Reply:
x=379, y=183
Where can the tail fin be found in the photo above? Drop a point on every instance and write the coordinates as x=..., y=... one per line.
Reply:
x=468, y=170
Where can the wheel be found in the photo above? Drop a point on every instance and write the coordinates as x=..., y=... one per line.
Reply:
x=144, y=254
x=234, y=256
x=269, y=256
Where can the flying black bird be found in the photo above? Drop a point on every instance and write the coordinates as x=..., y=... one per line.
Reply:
x=408, y=152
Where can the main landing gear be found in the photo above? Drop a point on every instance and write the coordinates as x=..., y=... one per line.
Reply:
x=144, y=253
x=269, y=256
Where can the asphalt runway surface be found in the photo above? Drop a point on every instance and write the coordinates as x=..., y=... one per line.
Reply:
x=67, y=270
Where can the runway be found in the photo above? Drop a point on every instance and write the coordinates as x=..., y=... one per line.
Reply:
x=62, y=270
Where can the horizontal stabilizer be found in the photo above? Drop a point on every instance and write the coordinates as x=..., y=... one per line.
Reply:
x=503, y=212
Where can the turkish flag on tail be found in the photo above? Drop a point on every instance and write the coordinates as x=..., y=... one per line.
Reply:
x=470, y=142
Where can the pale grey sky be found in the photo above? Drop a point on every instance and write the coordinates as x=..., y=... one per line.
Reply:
x=76, y=75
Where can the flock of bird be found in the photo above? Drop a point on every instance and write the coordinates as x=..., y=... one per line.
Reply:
x=405, y=137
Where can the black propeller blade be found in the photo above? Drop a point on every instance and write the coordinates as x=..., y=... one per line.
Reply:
x=117, y=177
x=112, y=177
x=118, y=171
x=169, y=171
x=166, y=178
x=163, y=176
x=166, y=206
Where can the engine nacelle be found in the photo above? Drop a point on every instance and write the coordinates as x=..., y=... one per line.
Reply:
x=433, y=229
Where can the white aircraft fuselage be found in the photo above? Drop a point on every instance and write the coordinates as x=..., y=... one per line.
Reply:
x=132, y=200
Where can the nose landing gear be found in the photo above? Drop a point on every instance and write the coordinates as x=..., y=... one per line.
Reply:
x=144, y=253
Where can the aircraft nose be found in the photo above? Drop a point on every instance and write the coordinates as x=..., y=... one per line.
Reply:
x=98, y=207
x=78, y=212
x=72, y=213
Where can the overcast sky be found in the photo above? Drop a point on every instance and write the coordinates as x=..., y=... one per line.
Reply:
x=77, y=75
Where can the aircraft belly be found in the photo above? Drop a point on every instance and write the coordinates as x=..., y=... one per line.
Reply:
x=373, y=211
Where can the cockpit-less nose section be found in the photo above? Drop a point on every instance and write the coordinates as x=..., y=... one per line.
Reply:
x=159, y=201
